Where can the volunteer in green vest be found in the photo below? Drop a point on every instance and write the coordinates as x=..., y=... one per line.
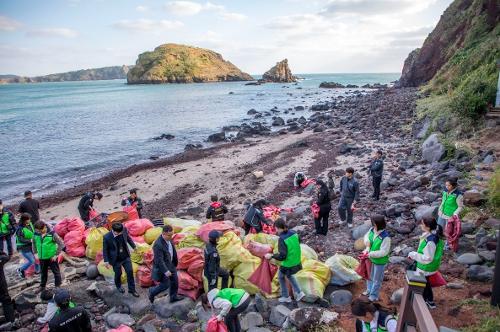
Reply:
x=289, y=253
x=231, y=302
x=378, y=246
x=24, y=244
x=47, y=245
x=428, y=256
x=452, y=202
x=372, y=317
x=7, y=228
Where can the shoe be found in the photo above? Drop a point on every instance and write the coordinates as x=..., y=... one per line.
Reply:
x=349, y=225
x=431, y=304
x=121, y=290
x=300, y=296
x=365, y=293
x=285, y=300
x=134, y=293
x=20, y=273
x=373, y=299
x=176, y=299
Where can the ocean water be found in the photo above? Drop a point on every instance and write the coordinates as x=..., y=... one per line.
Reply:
x=55, y=135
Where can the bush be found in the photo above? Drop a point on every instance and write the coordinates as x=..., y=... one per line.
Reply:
x=494, y=192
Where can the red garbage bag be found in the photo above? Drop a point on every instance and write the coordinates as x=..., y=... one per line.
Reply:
x=452, y=232
x=147, y=258
x=364, y=268
x=220, y=226
x=196, y=270
x=131, y=211
x=60, y=258
x=315, y=210
x=186, y=281
x=138, y=227
x=74, y=244
x=93, y=214
x=307, y=182
x=271, y=212
x=213, y=325
x=98, y=257
x=263, y=276
x=61, y=228
x=268, y=229
x=437, y=280
x=122, y=328
x=30, y=271
x=76, y=224
x=188, y=256
x=177, y=238
x=85, y=234
x=258, y=249
x=144, y=276
x=138, y=239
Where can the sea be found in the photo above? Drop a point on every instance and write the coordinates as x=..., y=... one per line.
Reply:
x=57, y=135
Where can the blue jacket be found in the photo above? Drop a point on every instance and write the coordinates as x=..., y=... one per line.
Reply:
x=109, y=248
x=349, y=188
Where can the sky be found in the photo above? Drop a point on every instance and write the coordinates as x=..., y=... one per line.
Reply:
x=316, y=36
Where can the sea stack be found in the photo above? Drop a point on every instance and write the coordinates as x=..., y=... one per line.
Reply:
x=280, y=73
x=174, y=63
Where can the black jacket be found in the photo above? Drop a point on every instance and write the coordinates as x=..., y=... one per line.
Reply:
x=376, y=168
x=216, y=212
x=349, y=188
x=212, y=262
x=109, y=248
x=75, y=319
x=254, y=217
x=323, y=200
x=4, y=289
x=30, y=206
x=162, y=261
x=283, y=252
x=85, y=204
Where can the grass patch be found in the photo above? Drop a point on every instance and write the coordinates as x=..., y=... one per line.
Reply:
x=490, y=320
x=493, y=193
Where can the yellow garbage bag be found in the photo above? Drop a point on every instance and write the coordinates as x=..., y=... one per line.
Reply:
x=243, y=271
x=178, y=224
x=189, y=241
x=219, y=283
x=109, y=274
x=307, y=253
x=94, y=241
x=343, y=268
x=140, y=249
x=313, y=279
x=262, y=238
x=190, y=229
x=231, y=251
x=152, y=234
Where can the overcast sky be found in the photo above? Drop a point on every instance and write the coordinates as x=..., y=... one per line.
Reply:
x=317, y=36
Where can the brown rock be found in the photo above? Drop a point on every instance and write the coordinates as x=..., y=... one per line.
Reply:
x=280, y=73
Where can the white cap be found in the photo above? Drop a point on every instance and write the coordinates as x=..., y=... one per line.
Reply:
x=212, y=294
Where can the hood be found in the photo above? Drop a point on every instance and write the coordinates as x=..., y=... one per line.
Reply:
x=216, y=205
x=212, y=294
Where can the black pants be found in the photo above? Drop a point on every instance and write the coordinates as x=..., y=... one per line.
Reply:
x=45, y=264
x=376, y=187
x=225, y=280
x=345, y=207
x=428, y=295
x=321, y=223
x=165, y=283
x=84, y=214
x=8, y=239
x=232, y=320
x=7, y=303
x=127, y=265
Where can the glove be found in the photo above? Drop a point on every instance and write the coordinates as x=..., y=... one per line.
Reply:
x=212, y=282
x=412, y=255
x=220, y=318
x=268, y=256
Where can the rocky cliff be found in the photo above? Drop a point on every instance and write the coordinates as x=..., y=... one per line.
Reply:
x=280, y=73
x=173, y=63
x=466, y=39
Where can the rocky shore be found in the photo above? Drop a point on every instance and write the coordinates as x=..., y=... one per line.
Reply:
x=325, y=138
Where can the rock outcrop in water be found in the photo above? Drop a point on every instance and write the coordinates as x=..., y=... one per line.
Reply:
x=174, y=63
x=280, y=73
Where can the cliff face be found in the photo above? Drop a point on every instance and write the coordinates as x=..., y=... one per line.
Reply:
x=173, y=63
x=465, y=38
x=279, y=73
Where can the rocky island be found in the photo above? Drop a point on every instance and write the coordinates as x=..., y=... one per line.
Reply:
x=280, y=73
x=174, y=63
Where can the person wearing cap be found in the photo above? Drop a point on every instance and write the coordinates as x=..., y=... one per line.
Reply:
x=231, y=302
x=7, y=228
x=216, y=210
x=47, y=296
x=87, y=203
x=69, y=317
x=116, y=253
x=212, y=268
x=165, y=266
x=133, y=200
x=31, y=206
x=47, y=246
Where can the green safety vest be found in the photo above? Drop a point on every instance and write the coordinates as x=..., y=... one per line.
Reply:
x=450, y=204
x=28, y=232
x=375, y=244
x=232, y=295
x=293, y=251
x=436, y=261
x=5, y=223
x=380, y=328
x=46, y=247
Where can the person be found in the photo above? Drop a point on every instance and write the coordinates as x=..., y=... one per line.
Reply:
x=452, y=202
x=7, y=304
x=87, y=203
x=7, y=228
x=298, y=179
x=254, y=217
x=216, y=210
x=428, y=255
x=165, y=266
x=378, y=246
x=31, y=206
x=212, y=268
x=24, y=244
x=331, y=184
x=231, y=302
x=47, y=245
x=47, y=296
x=349, y=192
x=116, y=253
x=133, y=200
x=69, y=316
x=373, y=317
x=375, y=170
x=289, y=253
x=325, y=206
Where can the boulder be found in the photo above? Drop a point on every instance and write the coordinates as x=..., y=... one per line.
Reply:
x=341, y=297
x=278, y=315
x=92, y=271
x=468, y=228
x=250, y=320
x=113, y=298
x=217, y=137
x=480, y=273
x=278, y=121
x=487, y=255
x=396, y=296
x=432, y=149
x=261, y=304
x=252, y=112
x=280, y=73
x=424, y=212
x=396, y=209
x=359, y=231
x=493, y=223
x=163, y=308
x=116, y=319
x=306, y=319
x=259, y=329
x=474, y=198
x=469, y=259
x=331, y=85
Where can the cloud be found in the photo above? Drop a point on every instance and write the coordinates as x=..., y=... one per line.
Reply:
x=183, y=8
x=147, y=25
x=233, y=16
x=53, y=32
x=142, y=8
x=8, y=24
x=374, y=7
